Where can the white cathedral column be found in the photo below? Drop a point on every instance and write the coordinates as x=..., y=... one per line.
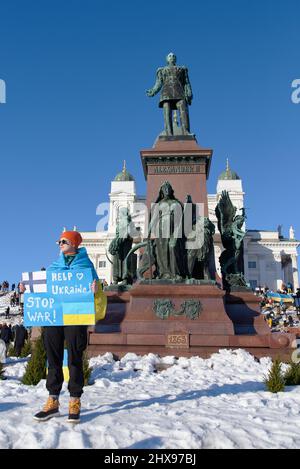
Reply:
x=295, y=271
x=262, y=270
x=246, y=259
x=279, y=274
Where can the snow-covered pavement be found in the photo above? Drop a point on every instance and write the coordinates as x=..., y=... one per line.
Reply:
x=220, y=402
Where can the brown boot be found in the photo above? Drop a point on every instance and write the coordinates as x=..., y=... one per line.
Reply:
x=74, y=410
x=50, y=409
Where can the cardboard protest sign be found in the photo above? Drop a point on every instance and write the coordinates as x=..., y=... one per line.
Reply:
x=73, y=289
x=40, y=309
x=68, y=300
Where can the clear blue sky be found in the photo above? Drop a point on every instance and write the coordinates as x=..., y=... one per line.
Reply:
x=76, y=73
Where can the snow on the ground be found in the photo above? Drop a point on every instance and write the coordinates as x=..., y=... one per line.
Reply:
x=219, y=402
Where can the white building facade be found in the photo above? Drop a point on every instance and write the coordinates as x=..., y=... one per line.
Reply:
x=270, y=259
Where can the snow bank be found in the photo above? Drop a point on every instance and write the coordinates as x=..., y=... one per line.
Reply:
x=220, y=402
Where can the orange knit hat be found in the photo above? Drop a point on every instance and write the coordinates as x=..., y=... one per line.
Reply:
x=73, y=236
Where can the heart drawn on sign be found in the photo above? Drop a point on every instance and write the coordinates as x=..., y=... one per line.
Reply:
x=79, y=276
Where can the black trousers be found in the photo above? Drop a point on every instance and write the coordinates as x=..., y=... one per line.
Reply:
x=18, y=349
x=76, y=342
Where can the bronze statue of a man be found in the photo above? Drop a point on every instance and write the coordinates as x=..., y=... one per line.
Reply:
x=123, y=268
x=176, y=93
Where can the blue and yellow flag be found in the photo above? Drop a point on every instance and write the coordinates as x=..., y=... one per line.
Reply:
x=100, y=303
x=280, y=297
x=65, y=366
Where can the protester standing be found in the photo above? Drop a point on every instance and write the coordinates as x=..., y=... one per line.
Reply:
x=71, y=257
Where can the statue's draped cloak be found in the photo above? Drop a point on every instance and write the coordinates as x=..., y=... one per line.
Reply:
x=170, y=251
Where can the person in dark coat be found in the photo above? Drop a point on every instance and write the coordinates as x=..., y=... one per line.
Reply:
x=297, y=300
x=7, y=311
x=20, y=336
x=6, y=334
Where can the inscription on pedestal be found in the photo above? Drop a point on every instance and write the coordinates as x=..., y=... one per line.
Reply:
x=175, y=169
x=178, y=340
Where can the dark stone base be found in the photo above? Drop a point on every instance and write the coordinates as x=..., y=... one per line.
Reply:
x=240, y=289
x=117, y=288
x=156, y=281
x=191, y=281
x=173, y=138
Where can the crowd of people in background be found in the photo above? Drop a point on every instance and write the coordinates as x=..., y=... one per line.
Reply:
x=16, y=334
x=15, y=297
x=280, y=308
x=4, y=287
x=286, y=289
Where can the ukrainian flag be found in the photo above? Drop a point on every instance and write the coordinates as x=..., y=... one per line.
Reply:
x=65, y=366
x=79, y=314
x=100, y=303
x=85, y=313
x=280, y=297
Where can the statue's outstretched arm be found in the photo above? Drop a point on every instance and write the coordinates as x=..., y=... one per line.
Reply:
x=157, y=86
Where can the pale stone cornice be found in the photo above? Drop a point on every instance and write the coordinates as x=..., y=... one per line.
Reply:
x=279, y=244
